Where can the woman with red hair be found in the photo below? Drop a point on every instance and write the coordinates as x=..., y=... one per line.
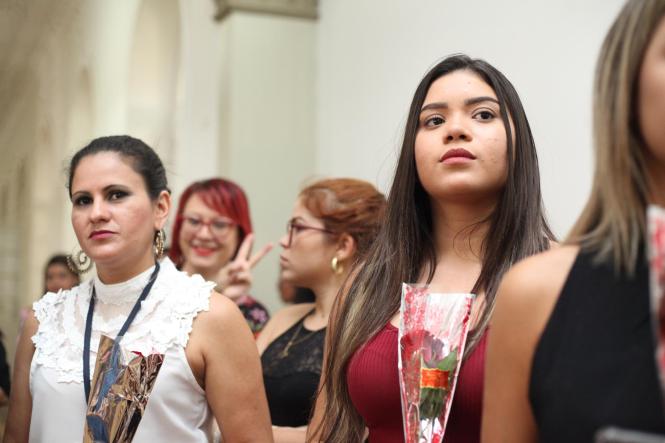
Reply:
x=212, y=236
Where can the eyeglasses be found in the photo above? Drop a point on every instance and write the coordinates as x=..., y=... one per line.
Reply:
x=295, y=227
x=219, y=227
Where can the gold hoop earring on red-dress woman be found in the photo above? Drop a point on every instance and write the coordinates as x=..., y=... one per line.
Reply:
x=336, y=266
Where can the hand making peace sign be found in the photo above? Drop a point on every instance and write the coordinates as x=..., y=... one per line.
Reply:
x=235, y=279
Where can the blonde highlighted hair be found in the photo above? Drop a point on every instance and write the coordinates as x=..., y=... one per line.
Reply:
x=613, y=220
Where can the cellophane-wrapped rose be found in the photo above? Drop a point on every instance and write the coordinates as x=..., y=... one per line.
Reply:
x=432, y=335
x=121, y=385
x=656, y=251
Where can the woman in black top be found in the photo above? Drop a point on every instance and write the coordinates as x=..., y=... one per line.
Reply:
x=5, y=383
x=332, y=225
x=571, y=347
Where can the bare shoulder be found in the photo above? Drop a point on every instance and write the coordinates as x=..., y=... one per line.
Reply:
x=221, y=330
x=530, y=289
x=31, y=324
x=30, y=327
x=541, y=274
x=222, y=313
x=524, y=303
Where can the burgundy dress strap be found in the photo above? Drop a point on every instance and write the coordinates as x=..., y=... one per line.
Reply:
x=373, y=383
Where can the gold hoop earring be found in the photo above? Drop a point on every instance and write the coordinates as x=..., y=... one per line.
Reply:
x=79, y=263
x=160, y=239
x=336, y=266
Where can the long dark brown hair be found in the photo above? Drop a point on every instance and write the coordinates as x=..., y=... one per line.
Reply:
x=405, y=245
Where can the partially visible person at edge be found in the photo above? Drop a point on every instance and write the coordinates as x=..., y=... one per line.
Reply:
x=58, y=275
x=465, y=204
x=333, y=223
x=574, y=323
x=5, y=381
x=212, y=237
x=211, y=368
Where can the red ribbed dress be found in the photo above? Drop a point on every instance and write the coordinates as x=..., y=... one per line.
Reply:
x=374, y=388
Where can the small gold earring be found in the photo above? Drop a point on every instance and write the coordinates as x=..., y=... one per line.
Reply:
x=336, y=266
x=79, y=263
x=160, y=239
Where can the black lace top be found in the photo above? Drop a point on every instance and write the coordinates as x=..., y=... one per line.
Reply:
x=4, y=370
x=291, y=371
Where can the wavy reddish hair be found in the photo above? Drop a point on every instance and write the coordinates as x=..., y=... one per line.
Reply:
x=347, y=205
x=221, y=195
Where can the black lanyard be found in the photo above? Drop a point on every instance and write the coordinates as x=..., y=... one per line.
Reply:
x=121, y=333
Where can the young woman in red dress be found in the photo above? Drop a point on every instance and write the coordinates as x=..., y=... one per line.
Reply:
x=464, y=205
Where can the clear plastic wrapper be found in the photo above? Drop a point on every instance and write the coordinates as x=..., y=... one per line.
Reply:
x=120, y=389
x=432, y=336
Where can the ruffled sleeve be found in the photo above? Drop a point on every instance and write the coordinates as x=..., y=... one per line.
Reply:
x=53, y=347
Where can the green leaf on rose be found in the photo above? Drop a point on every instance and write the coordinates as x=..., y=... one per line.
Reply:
x=432, y=401
x=449, y=362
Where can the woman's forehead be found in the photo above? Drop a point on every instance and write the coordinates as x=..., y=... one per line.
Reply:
x=198, y=203
x=300, y=210
x=458, y=86
x=104, y=169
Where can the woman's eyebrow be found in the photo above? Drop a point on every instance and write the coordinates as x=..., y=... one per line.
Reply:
x=467, y=102
x=113, y=186
x=435, y=105
x=476, y=100
x=78, y=193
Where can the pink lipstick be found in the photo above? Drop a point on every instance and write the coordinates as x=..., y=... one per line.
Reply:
x=456, y=155
x=100, y=235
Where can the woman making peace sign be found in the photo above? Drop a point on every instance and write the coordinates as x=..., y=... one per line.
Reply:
x=212, y=236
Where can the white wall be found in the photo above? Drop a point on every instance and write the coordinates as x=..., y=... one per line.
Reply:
x=371, y=58
x=245, y=111
x=267, y=121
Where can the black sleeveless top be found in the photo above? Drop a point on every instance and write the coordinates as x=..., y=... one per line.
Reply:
x=595, y=365
x=291, y=371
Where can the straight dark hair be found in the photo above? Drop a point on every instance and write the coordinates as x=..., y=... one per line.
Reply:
x=405, y=247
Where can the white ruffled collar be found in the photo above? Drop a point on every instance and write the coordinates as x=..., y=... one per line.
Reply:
x=123, y=292
x=164, y=320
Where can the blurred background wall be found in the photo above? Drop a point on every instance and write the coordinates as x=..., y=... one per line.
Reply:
x=269, y=93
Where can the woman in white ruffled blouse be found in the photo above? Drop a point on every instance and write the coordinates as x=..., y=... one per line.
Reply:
x=211, y=368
